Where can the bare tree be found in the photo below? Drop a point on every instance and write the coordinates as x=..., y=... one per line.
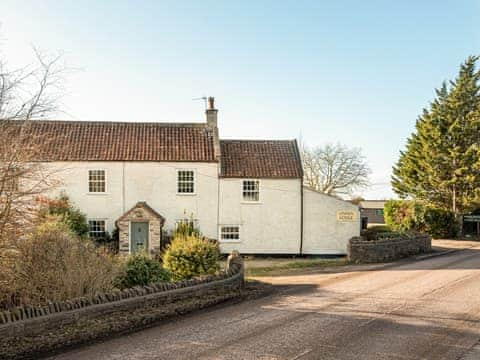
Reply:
x=26, y=94
x=334, y=169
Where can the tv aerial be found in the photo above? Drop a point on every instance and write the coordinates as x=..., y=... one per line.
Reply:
x=204, y=98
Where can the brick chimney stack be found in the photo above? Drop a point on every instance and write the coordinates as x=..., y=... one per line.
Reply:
x=211, y=113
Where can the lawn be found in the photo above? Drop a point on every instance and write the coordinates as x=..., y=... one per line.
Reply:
x=259, y=266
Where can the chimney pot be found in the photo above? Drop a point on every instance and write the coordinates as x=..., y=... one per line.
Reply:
x=211, y=103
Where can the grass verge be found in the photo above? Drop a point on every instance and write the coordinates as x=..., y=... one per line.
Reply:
x=292, y=267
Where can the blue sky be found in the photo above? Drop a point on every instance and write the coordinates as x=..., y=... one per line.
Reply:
x=354, y=72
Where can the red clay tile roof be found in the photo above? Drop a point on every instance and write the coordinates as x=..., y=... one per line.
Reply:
x=260, y=159
x=115, y=141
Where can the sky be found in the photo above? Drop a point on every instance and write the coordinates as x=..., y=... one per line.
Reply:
x=351, y=72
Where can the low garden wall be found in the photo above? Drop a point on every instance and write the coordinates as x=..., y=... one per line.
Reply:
x=27, y=332
x=387, y=248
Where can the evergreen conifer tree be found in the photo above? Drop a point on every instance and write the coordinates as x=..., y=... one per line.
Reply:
x=441, y=162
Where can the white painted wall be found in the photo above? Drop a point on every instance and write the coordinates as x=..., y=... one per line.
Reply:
x=270, y=226
x=154, y=182
x=323, y=233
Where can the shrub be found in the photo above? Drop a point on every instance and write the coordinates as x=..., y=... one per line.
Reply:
x=140, y=269
x=109, y=242
x=404, y=215
x=191, y=256
x=69, y=214
x=53, y=264
x=187, y=227
x=440, y=223
x=372, y=232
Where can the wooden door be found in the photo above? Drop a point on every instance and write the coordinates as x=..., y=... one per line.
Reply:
x=139, y=236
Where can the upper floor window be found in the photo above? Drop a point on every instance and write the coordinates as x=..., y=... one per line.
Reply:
x=96, y=181
x=185, y=182
x=96, y=229
x=9, y=180
x=10, y=185
x=251, y=190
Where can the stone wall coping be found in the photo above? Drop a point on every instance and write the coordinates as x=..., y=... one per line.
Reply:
x=361, y=240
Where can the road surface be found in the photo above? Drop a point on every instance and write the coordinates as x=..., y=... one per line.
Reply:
x=428, y=309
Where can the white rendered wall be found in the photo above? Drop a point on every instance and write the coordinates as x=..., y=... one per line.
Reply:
x=153, y=182
x=270, y=226
x=323, y=232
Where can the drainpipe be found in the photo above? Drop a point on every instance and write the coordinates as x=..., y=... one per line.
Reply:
x=217, y=231
x=123, y=187
x=300, y=171
x=301, y=217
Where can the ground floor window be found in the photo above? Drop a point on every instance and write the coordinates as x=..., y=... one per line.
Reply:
x=379, y=212
x=96, y=229
x=229, y=233
x=471, y=224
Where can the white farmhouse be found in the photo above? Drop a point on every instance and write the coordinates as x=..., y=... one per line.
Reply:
x=145, y=177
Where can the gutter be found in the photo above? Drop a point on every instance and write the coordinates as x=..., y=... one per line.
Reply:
x=123, y=187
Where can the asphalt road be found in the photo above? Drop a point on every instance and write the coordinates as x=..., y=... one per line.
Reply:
x=428, y=309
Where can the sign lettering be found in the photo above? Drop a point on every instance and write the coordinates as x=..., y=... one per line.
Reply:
x=346, y=216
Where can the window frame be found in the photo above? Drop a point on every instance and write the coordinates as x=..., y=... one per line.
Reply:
x=97, y=220
x=196, y=222
x=11, y=183
x=242, y=191
x=379, y=212
x=194, y=182
x=11, y=186
x=96, y=181
x=220, y=233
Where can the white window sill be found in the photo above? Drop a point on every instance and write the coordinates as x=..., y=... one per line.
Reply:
x=97, y=193
x=230, y=241
x=186, y=194
x=251, y=202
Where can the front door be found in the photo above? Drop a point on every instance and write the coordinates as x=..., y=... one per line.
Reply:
x=139, y=236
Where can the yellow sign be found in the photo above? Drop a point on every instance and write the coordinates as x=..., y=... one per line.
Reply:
x=346, y=216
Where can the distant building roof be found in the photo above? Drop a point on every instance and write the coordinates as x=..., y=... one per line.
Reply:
x=372, y=204
x=260, y=159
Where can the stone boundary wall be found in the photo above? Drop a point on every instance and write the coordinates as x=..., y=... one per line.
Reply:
x=23, y=329
x=387, y=249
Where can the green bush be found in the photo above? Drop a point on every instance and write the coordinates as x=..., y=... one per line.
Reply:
x=440, y=223
x=372, y=232
x=140, y=269
x=404, y=215
x=191, y=256
x=69, y=214
x=187, y=227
